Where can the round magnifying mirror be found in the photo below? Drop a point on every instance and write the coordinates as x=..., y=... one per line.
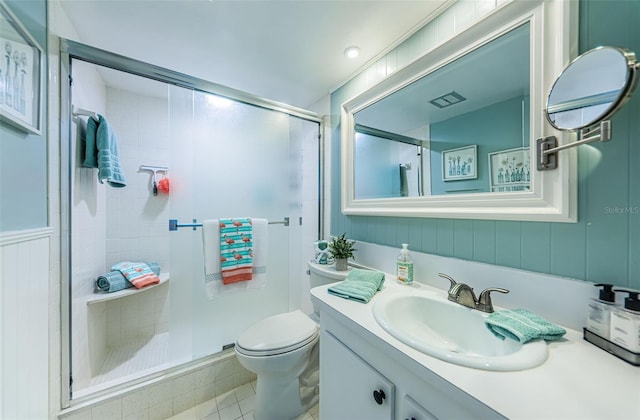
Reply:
x=592, y=88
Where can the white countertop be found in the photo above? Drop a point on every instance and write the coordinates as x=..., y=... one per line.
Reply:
x=577, y=381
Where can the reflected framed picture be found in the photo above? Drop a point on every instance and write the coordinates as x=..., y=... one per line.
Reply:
x=510, y=170
x=20, y=74
x=460, y=163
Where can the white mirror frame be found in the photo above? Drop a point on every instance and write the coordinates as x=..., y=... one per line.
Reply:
x=553, y=195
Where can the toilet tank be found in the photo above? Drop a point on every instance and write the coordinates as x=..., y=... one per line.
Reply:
x=320, y=274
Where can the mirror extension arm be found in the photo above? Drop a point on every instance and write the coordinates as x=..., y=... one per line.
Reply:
x=547, y=147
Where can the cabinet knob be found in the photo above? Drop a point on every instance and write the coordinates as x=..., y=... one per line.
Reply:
x=379, y=396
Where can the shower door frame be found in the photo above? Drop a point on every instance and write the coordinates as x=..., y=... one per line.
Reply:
x=70, y=50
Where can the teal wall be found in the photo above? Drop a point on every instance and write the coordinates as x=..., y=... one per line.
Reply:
x=492, y=128
x=23, y=157
x=605, y=243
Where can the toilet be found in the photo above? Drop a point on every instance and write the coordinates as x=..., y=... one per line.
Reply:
x=282, y=350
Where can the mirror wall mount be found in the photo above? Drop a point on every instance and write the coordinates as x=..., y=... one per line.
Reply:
x=552, y=196
x=547, y=147
x=587, y=93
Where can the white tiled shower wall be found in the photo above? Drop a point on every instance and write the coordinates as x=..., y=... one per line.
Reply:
x=137, y=221
x=88, y=229
x=118, y=224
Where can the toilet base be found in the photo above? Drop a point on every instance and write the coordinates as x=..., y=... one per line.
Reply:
x=281, y=399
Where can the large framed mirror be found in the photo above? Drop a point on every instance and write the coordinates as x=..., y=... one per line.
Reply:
x=449, y=135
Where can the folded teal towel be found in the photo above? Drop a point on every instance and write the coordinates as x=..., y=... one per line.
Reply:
x=522, y=325
x=108, y=159
x=112, y=281
x=359, y=285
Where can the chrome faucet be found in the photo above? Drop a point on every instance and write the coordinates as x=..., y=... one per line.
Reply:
x=463, y=294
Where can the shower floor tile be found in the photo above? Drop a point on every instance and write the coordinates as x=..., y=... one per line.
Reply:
x=237, y=404
x=134, y=357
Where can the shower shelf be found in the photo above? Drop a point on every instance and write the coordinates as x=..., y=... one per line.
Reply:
x=103, y=297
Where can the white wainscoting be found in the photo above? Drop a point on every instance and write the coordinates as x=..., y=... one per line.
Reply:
x=24, y=324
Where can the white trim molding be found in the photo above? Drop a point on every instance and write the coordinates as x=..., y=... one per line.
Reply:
x=18, y=236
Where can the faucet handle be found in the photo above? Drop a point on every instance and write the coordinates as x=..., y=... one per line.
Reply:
x=484, y=301
x=444, y=276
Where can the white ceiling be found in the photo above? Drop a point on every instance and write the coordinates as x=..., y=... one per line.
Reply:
x=289, y=51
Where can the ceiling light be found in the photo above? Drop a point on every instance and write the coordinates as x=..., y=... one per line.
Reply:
x=352, y=52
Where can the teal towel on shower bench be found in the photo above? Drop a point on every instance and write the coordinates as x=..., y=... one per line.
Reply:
x=114, y=281
x=359, y=285
x=522, y=325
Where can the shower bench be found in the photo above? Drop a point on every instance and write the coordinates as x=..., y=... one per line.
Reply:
x=103, y=297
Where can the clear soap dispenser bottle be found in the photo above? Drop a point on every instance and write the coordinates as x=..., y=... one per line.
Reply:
x=404, y=266
x=599, y=319
x=625, y=322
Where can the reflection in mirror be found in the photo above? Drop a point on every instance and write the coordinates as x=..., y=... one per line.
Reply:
x=591, y=88
x=387, y=164
x=405, y=142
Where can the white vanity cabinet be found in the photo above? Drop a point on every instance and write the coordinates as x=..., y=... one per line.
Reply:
x=356, y=367
x=356, y=389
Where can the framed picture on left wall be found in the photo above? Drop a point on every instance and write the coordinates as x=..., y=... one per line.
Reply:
x=20, y=74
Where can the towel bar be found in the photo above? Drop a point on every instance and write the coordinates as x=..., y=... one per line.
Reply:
x=174, y=225
x=79, y=111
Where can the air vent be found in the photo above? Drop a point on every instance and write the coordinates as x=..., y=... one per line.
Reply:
x=449, y=99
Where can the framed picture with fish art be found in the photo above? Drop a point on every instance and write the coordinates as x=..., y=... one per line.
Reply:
x=20, y=74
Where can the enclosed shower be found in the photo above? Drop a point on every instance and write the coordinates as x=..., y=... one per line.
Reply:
x=216, y=155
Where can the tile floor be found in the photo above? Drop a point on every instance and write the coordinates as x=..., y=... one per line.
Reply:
x=237, y=404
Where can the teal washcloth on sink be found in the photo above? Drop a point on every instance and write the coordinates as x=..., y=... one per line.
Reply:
x=522, y=325
x=359, y=285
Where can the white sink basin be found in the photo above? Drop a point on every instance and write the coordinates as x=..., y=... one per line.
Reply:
x=428, y=322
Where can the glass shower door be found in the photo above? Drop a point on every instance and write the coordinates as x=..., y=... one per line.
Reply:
x=228, y=159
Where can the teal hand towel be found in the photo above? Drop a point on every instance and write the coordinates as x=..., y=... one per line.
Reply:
x=359, y=285
x=109, y=168
x=522, y=325
x=88, y=140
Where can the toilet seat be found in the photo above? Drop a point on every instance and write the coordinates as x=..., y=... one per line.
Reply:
x=277, y=334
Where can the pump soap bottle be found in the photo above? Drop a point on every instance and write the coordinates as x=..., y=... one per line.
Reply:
x=625, y=322
x=599, y=319
x=404, y=266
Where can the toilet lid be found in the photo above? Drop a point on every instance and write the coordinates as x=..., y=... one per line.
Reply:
x=278, y=334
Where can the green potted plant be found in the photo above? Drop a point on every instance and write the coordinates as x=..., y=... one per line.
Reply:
x=341, y=249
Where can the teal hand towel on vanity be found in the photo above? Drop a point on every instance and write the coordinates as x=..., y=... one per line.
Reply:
x=522, y=325
x=359, y=285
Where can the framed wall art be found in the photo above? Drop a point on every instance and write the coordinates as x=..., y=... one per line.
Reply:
x=509, y=170
x=460, y=163
x=20, y=74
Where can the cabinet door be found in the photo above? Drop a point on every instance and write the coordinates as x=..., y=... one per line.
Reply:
x=411, y=410
x=349, y=387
